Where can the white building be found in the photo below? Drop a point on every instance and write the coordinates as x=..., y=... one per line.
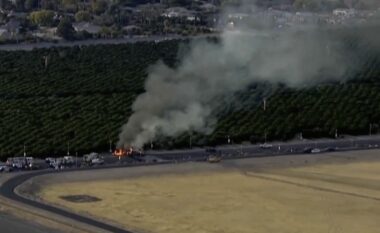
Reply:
x=88, y=27
x=344, y=12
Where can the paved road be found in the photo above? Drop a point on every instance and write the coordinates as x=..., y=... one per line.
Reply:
x=7, y=190
x=11, y=224
x=31, y=46
x=280, y=148
x=228, y=152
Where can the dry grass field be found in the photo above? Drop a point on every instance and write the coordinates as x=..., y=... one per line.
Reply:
x=319, y=198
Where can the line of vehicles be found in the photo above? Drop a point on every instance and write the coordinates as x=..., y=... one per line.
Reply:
x=88, y=160
x=306, y=150
x=59, y=163
x=30, y=163
x=212, y=155
x=19, y=163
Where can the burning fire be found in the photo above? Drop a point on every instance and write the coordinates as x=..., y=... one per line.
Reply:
x=121, y=152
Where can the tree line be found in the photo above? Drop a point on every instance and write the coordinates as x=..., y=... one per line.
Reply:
x=81, y=96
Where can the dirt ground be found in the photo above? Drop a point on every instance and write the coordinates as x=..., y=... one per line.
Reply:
x=332, y=193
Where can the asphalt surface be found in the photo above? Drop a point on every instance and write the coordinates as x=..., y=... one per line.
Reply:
x=197, y=154
x=135, y=39
x=10, y=224
x=7, y=190
x=280, y=148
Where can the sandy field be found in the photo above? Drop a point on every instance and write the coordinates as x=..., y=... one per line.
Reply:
x=331, y=193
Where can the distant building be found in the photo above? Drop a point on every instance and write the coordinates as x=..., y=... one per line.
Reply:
x=177, y=12
x=10, y=30
x=88, y=27
x=208, y=7
x=49, y=33
x=132, y=29
x=5, y=35
x=19, y=15
x=344, y=12
x=239, y=16
x=130, y=9
x=13, y=26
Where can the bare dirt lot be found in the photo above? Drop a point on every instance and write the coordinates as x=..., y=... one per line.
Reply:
x=337, y=192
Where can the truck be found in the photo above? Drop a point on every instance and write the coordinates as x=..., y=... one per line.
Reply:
x=20, y=162
x=128, y=152
x=93, y=159
x=68, y=160
x=5, y=168
x=266, y=146
x=214, y=158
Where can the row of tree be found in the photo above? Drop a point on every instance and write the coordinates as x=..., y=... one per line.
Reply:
x=83, y=95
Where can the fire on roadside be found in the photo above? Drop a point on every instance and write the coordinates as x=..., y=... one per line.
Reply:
x=121, y=152
x=125, y=152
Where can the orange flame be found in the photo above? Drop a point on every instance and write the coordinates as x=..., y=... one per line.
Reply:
x=121, y=152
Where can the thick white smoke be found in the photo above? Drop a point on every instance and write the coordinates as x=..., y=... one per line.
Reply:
x=182, y=99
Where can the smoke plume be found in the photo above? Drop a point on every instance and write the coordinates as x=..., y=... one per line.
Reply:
x=181, y=99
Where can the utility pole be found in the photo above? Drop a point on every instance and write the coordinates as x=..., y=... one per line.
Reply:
x=110, y=146
x=264, y=104
x=265, y=137
x=46, y=59
x=68, y=148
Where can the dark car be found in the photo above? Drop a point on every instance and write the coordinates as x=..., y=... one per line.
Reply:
x=211, y=150
x=307, y=150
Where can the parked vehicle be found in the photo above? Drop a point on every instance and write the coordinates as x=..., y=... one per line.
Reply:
x=20, y=162
x=315, y=150
x=68, y=160
x=5, y=168
x=214, y=158
x=210, y=150
x=92, y=159
x=97, y=161
x=266, y=146
x=307, y=150
x=49, y=160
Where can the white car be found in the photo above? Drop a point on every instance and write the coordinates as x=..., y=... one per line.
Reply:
x=315, y=150
x=18, y=165
x=97, y=161
x=266, y=146
x=5, y=168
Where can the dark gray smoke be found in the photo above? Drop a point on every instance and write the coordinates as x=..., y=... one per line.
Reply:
x=182, y=99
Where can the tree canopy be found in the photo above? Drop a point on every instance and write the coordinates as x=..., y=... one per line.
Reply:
x=42, y=17
x=65, y=29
